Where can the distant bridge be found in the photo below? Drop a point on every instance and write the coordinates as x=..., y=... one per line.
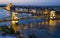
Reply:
x=9, y=18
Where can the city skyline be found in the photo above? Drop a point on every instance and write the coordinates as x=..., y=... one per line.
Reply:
x=32, y=2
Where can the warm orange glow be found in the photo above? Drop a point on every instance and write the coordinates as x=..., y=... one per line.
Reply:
x=52, y=22
x=52, y=14
x=8, y=7
x=34, y=11
x=14, y=21
x=14, y=17
x=46, y=11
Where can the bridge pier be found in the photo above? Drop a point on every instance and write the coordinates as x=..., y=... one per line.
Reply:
x=14, y=20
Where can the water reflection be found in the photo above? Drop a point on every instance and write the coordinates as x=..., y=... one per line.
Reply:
x=35, y=26
x=5, y=23
x=32, y=27
x=53, y=24
x=8, y=13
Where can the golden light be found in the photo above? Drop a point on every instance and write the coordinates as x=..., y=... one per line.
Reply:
x=46, y=11
x=51, y=17
x=8, y=7
x=14, y=17
x=52, y=14
x=34, y=11
x=52, y=22
x=14, y=21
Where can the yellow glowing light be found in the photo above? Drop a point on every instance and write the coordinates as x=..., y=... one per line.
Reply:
x=52, y=14
x=54, y=17
x=34, y=11
x=14, y=22
x=46, y=11
x=52, y=22
x=8, y=7
x=14, y=17
x=51, y=17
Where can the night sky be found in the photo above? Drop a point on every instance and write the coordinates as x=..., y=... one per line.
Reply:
x=31, y=2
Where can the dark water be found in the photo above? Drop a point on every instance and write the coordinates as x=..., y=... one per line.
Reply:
x=43, y=29
x=7, y=37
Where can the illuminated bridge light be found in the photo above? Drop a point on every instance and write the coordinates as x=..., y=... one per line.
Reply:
x=46, y=11
x=8, y=7
x=33, y=10
x=14, y=18
x=52, y=14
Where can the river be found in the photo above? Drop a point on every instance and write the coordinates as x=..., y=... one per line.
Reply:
x=35, y=28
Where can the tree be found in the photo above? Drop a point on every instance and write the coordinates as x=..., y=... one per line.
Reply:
x=17, y=33
x=12, y=30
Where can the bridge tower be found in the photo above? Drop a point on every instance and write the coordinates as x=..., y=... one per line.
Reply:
x=14, y=21
x=13, y=15
x=9, y=6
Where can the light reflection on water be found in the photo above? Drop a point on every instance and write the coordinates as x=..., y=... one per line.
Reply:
x=52, y=24
x=28, y=29
x=24, y=27
x=5, y=23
